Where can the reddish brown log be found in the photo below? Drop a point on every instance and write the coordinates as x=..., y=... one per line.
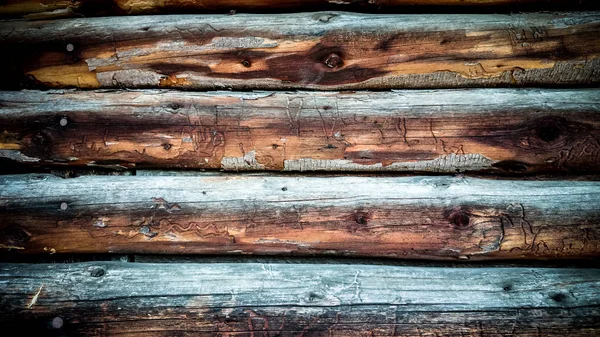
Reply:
x=326, y=50
x=477, y=130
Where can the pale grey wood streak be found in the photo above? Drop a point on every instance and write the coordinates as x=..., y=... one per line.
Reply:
x=113, y=298
x=411, y=217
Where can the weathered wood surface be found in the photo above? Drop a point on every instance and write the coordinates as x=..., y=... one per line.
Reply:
x=327, y=50
x=42, y=9
x=503, y=131
x=135, y=299
x=412, y=217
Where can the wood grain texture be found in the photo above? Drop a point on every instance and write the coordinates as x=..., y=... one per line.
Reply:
x=412, y=217
x=247, y=299
x=327, y=50
x=42, y=9
x=504, y=131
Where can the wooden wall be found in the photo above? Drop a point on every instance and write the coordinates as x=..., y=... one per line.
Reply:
x=300, y=168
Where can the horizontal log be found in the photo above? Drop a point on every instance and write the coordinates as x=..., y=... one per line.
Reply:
x=412, y=217
x=43, y=9
x=504, y=131
x=327, y=50
x=247, y=299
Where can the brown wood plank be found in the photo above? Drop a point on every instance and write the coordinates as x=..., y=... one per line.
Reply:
x=410, y=217
x=502, y=131
x=40, y=9
x=247, y=299
x=327, y=50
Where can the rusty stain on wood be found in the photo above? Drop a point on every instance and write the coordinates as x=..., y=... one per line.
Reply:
x=503, y=131
x=348, y=51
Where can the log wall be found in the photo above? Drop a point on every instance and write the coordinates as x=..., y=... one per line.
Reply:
x=399, y=167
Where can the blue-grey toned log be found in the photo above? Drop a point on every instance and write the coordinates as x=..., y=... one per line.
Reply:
x=247, y=299
x=447, y=218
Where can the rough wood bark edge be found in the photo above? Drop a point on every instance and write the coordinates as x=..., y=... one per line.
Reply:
x=327, y=50
x=131, y=299
x=44, y=9
x=412, y=217
x=508, y=131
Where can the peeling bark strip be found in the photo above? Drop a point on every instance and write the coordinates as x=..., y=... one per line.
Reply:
x=327, y=50
x=417, y=217
x=44, y=9
x=504, y=131
x=248, y=299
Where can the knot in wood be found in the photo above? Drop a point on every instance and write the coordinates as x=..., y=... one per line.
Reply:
x=97, y=272
x=324, y=17
x=42, y=139
x=246, y=63
x=361, y=218
x=334, y=61
x=14, y=236
x=548, y=133
x=558, y=297
x=458, y=217
x=550, y=129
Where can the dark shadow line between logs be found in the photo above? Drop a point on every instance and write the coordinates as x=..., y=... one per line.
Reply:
x=12, y=257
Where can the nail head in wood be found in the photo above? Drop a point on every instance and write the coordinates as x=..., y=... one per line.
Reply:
x=57, y=322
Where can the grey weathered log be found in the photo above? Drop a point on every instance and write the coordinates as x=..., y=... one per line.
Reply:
x=327, y=50
x=47, y=9
x=507, y=131
x=410, y=217
x=131, y=299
